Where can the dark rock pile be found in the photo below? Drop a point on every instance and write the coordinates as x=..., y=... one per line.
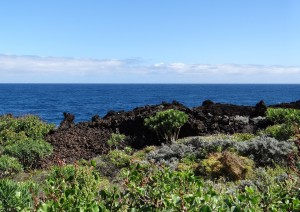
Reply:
x=294, y=105
x=88, y=139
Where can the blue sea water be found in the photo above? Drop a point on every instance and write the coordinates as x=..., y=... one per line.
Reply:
x=49, y=101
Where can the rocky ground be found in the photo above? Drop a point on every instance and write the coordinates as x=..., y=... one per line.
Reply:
x=85, y=140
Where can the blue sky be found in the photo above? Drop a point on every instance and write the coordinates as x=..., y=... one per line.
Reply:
x=157, y=41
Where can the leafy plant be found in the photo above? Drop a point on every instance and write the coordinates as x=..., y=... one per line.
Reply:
x=283, y=115
x=28, y=152
x=287, y=122
x=280, y=131
x=119, y=158
x=115, y=139
x=242, y=136
x=17, y=129
x=167, y=123
x=227, y=164
x=16, y=196
x=9, y=166
x=72, y=187
x=152, y=189
x=23, y=138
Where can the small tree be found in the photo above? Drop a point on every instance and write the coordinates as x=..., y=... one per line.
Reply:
x=115, y=139
x=167, y=123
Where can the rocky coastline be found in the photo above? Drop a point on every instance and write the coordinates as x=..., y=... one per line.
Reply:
x=86, y=140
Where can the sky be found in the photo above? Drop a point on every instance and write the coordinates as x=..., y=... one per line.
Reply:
x=154, y=41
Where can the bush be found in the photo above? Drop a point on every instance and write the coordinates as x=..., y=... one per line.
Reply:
x=169, y=154
x=29, y=152
x=242, y=136
x=228, y=165
x=287, y=123
x=153, y=189
x=283, y=115
x=23, y=138
x=118, y=158
x=9, y=166
x=17, y=129
x=73, y=187
x=266, y=151
x=115, y=140
x=203, y=148
x=167, y=123
x=16, y=196
x=280, y=131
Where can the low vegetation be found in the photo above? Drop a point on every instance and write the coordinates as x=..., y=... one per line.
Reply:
x=239, y=172
x=286, y=123
x=22, y=142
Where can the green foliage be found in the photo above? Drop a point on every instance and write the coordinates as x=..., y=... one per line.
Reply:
x=287, y=122
x=118, y=158
x=28, y=152
x=186, y=164
x=72, y=188
x=239, y=137
x=152, y=189
x=128, y=150
x=228, y=165
x=167, y=123
x=242, y=136
x=115, y=140
x=280, y=131
x=148, y=188
x=279, y=191
x=9, y=166
x=23, y=138
x=283, y=115
x=18, y=129
x=16, y=196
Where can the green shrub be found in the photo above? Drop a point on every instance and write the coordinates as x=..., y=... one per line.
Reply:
x=283, y=115
x=115, y=140
x=16, y=196
x=105, y=167
x=118, y=158
x=287, y=123
x=167, y=123
x=72, y=187
x=9, y=166
x=228, y=165
x=17, y=129
x=29, y=152
x=242, y=136
x=152, y=189
x=280, y=131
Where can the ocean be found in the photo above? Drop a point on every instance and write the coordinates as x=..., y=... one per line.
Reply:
x=49, y=101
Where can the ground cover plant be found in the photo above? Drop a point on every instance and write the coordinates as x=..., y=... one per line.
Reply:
x=286, y=123
x=22, y=142
x=239, y=172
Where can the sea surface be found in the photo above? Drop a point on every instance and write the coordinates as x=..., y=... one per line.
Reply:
x=49, y=101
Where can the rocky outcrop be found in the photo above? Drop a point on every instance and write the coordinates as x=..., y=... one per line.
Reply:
x=294, y=105
x=87, y=139
x=67, y=122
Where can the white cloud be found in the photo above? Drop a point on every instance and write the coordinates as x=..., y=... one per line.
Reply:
x=33, y=66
